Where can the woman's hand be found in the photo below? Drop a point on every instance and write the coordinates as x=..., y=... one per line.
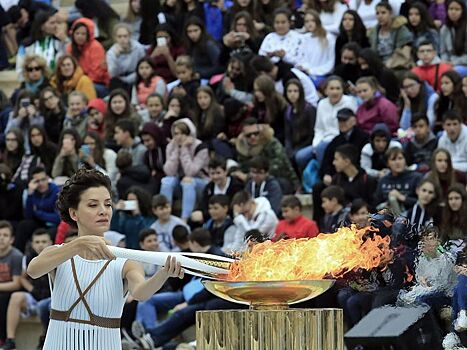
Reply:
x=228, y=85
x=188, y=141
x=120, y=205
x=93, y=247
x=173, y=268
x=259, y=26
x=406, y=99
x=22, y=112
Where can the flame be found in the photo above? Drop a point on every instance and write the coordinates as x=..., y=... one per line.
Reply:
x=327, y=255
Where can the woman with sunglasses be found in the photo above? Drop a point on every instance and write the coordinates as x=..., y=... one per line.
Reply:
x=35, y=75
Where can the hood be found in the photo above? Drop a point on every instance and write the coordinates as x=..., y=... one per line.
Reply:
x=266, y=133
x=89, y=25
x=153, y=130
x=98, y=104
x=262, y=204
x=430, y=137
x=436, y=60
x=187, y=122
x=378, y=129
x=398, y=22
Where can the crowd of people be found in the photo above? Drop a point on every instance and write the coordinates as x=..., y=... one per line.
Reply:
x=210, y=117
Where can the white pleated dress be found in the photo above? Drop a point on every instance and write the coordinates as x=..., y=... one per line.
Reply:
x=105, y=298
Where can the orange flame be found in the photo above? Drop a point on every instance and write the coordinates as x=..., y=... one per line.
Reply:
x=327, y=255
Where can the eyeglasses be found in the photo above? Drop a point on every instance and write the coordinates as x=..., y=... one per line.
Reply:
x=32, y=69
x=251, y=134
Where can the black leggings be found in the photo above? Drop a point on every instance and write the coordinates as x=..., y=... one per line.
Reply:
x=4, y=300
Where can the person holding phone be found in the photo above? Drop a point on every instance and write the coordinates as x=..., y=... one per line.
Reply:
x=24, y=116
x=67, y=161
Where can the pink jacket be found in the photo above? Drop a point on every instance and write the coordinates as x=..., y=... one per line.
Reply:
x=190, y=160
x=377, y=110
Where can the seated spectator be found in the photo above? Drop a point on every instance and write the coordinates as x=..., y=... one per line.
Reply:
x=125, y=137
x=203, y=50
x=154, y=158
x=348, y=68
x=262, y=184
x=89, y=53
x=327, y=126
x=166, y=51
x=42, y=148
x=268, y=105
x=97, y=109
x=132, y=175
x=438, y=13
x=220, y=225
x=69, y=77
x=317, y=49
x=132, y=214
x=11, y=203
x=429, y=67
x=14, y=149
x=351, y=30
x=373, y=159
x=11, y=265
x=434, y=274
x=35, y=76
x=371, y=65
x=209, y=117
x=375, y=107
x=451, y=98
x=220, y=183
x=156, y=108
x=187, y=82
x=77, y=115
x=397, y=189
x=118, y=108
x=236, y=83
x=180, y=235
x=359, y=212
x=421, y=25
x=148, y=242
x=454, y=139
x=24, y=115
x=418, y=97
x=330, y=13
x=186, y=165
x=424, y=213
x=332, y=202
x=459, y=313
x=299, y=119
x=442, y=172
x=454, y=224
x=349, y=133
x=258, y=139
x=27, y=303
x=294, y=225
x=452, y=34
x=165, y=223
x=147, y=82
x=283, y=43
x=39, y=208
x=391, y=38
x=418, y=152
x=122, y=58
x=53, y=111
x=251, y=214
x=67, y=161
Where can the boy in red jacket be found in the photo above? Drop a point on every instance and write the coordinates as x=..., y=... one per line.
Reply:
x=294, y=224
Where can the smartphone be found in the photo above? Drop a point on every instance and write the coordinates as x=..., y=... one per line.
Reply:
x=130, y=205
x=352, y=85
x=25, y=102
x=161, y=41
x=86, y=150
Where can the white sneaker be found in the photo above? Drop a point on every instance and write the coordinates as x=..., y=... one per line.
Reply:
x=460, y=324
x=451, y=341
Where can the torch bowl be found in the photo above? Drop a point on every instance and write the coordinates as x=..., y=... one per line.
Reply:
x=268, y=294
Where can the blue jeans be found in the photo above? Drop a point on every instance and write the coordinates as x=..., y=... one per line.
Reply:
x=101, y=90
x=355, y=304
x=459, y=299
x=304, y=155
x=146, y=311
x=189, y=192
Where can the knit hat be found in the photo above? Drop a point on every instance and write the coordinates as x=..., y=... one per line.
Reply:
x=98, y=104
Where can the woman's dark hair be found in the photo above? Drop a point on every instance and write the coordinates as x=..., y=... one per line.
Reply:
x=459, y=28
x=205, y=120
x=449, y=177
x=144, y=200
x=417, y=103
x=47, y=151
x=13, y=159
x=184, y=107
x=282, y=11
x=320, y=6
x=204, y=38
x=375, y=65
x=358, y=33
x=70, y=195
x=139, y=78
x=174, y=37
x=456, y=100
x=110, y=117
x=433, y=206
x=98, y=153
x=36, y=27
x=250, y=8
x=385, y=4
x=454, y=220
x=250, y=25
x=426, y=22
x=42, y=107
x=75, y=50
x=75, y=135
x=301, y=122
x=358, y=204
x=96, y=8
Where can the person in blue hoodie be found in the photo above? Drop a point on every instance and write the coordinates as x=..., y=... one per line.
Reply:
x=39, y=208
x=397, y=189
